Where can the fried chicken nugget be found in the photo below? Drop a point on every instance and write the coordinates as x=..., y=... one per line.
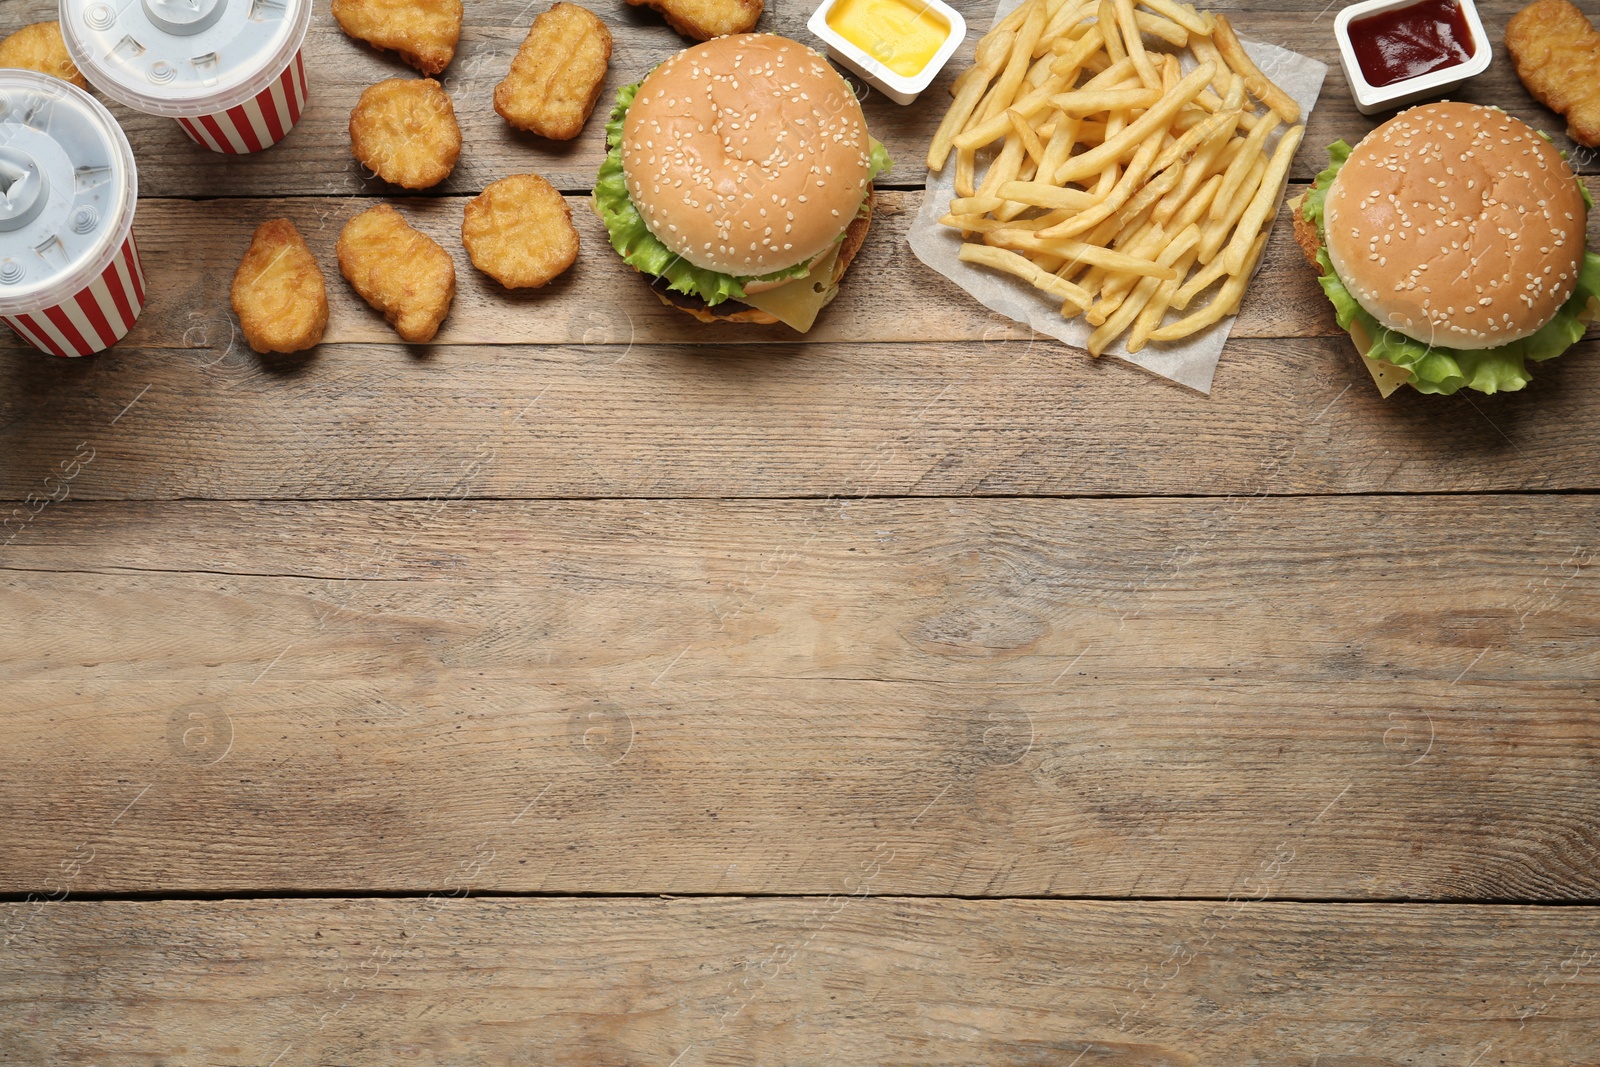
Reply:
x=1557, y=53
x=40, y=47
x=557, y=74
x=519, y=232
x=424, y=32
x=705, y=19
x=404, y=130
x=278, y=291
x=399, y=271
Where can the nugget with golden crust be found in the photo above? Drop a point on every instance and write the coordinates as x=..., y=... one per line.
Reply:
x=519, y=232
x=404, y=130
x=705, y=19
x=424, y=32
x=278, y=291
x=557, y=74
x=1557, y=53
x=40, y=47
x=399, y=271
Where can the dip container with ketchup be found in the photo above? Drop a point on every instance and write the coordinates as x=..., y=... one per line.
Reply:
x=898, y=46
x=229, y=71
x=1397, y=52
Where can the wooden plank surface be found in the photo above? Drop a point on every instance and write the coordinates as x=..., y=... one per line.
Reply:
x=315, y=159
x=1023, y=697
x=225, y=668
x=988, y=417
x=847, y=979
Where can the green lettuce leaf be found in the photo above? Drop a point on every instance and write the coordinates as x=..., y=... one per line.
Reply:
x=1445, y=370
x=641, y=249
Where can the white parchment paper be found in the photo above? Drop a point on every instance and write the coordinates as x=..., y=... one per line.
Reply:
x=1191, y=362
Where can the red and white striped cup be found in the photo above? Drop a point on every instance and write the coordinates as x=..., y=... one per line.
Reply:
x=70, y=279
x=230, y=71
x=260, y=122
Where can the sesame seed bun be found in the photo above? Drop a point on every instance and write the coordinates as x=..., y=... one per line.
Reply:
x=1456, y=225
x=746, y=155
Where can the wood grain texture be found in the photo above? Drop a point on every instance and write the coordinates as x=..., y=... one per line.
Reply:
x=1021, y=697
x=996, y=417
x=848, y=979
x=890, y=297
x=315, y=159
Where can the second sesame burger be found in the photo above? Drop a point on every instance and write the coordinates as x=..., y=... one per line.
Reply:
x=738, y=180
x=1450, y=242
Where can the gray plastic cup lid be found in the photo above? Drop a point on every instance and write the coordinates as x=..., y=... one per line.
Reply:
x=183, y=58
x=67, y=190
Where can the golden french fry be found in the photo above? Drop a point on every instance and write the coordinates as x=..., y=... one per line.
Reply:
x=1028, y=271
x=1092, y=102
x=1037, y=73
x=1216, y=231
x=1197, y=205
x=1166, y=29
x=1059, y=147
x=1042, y=194
x=1111, y=170
x=968, y=89
x=1025, y=133
x=1182, y=14
x=1134, y=44
x=1261, y=86
x=1235, y=98
x=1265, y=203
x=966, y=168
x=1004, y=168
x=1171, y=74
x=1005, y=87
x=982, y=224
x=993, y=129
x=1225, y=303
x=1205, y=51
x=1156, y=308
x=1248, y=154
x=1114, y=148
x=1107, y=15
x=975, y=205
x=1080, y=252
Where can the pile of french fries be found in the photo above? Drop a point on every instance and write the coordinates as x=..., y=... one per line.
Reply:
x=1120, y=185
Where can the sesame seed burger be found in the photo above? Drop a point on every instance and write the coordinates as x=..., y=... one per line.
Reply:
x=1450, y=242
x=738, y=180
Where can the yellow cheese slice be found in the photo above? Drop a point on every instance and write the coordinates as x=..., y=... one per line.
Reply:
x=1387, y=375
x=797, y=303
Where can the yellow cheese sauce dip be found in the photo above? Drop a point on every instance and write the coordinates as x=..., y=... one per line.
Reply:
x=903, y=35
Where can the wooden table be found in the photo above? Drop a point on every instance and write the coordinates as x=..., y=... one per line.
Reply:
x=594, y=687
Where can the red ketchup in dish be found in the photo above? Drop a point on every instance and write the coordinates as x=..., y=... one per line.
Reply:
x=1392, y=46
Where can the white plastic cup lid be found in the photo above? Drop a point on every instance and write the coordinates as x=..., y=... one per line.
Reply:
x=183, y=58
x=67, y=190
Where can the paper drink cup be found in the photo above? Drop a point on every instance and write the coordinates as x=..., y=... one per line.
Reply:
x=70, y=279
x=230, y=71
